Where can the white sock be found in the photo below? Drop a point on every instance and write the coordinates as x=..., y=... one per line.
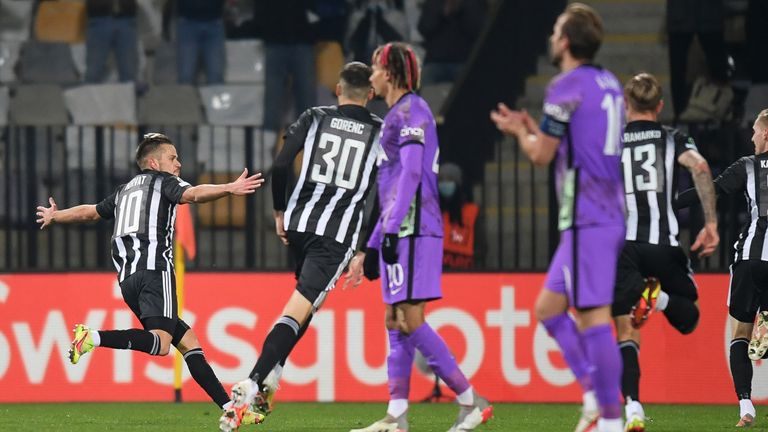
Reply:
x=227, y=405
x=397, y=407
x=633, y=407
x=746, y=407
x=96, y=337
x=662, y=301
x=610, y=425
x=590, y=401
x=254, y=389
x=467, y=397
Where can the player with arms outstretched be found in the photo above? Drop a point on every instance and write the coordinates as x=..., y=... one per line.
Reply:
x=144, y=210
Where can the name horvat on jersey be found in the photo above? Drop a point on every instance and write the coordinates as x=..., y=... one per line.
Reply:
x=641, y=135
x=137, y=181
x=347, y=126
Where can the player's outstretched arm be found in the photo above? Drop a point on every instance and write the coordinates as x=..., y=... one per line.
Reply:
x=244, y=185
x=82, y=213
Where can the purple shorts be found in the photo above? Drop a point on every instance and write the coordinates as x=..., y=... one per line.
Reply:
x=416, y=275
x=591, y=282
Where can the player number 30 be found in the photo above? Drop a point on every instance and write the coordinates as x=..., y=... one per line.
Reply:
x=336, y=159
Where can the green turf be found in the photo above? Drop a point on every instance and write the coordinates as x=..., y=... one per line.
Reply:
x=192, y=417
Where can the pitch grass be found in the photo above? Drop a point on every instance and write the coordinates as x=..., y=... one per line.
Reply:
x=192, y=417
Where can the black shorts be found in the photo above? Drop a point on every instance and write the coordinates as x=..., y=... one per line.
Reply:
x=637, y=261
x=319, y=263
x=748, y=291
x=151, y=295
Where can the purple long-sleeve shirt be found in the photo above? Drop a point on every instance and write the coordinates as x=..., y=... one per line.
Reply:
x=584, y=107
x=408, y=195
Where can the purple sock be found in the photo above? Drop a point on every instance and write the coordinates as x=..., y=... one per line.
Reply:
x=604, y=354
x=433, y=348
x=399, y=364
x=563, y=329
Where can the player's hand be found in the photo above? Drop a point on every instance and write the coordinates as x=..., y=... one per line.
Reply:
x=45, y=214
x=508, y=121
x=371, y=264
x=354, y=275
x=245, y=185
x=389, y=248
x=707, y=240
x=279, y=227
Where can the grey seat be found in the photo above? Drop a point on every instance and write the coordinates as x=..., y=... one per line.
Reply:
x=38, y=105
x=15, y=19
x=4, y=102
x=435, y=95
x=245, y=61
x=9, y=56
x=233, y=105
x=102, y=104
x=170, y=105
x=49, y=63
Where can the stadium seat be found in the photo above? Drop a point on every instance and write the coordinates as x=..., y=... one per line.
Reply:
x=49, y=63
x=9, y=56
x=102, y=104
x=245, y=61
x=233, y=105
x=170, y=105
x=435, y=95
x=4, y=106
x=755, y=102
x=15, y=19
x=38, y=105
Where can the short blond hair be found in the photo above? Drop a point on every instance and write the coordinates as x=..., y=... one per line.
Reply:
x=762, y=118
x=643, y=92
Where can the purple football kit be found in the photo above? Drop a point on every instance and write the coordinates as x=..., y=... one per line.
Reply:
x=584, y=108
x=409, y=202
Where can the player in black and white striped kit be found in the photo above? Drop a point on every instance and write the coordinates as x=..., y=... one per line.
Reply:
x=748, y=289
x=653, y=270
x=320, y=221
x=144, y=210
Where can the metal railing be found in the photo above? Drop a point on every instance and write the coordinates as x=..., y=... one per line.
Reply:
x=78, y=164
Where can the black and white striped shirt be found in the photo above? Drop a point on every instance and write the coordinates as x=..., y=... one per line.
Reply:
x=144, y=210
x=649, y=162
x=341, y=146
x=749, y=175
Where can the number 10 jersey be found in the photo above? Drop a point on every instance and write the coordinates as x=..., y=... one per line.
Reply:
x=341, y=146
x=144, y=210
